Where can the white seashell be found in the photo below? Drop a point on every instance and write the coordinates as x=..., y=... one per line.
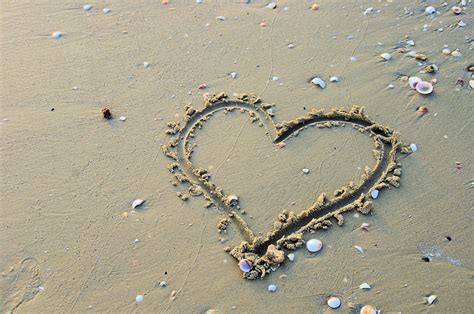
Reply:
x=374, y=194
x=446, y=51
x=291, y=257
x=368, y=10
x=431, y=299
x=430, y=10
x=123, y=118
x=353, y=58
x=146, y=65
x=424, y=88
x=462, y=24
x=220, y=18
x=245, y=265
x=139, y=299
x=365, y=286
x=272, y=5
x=390, y=86
x=137, y=203
x=291, y=46
x=163, y=284
x=359, y=249
x=275, y=78
x=456, y=53
x=319, y=82
x=233, y=75
x=106, y=10
x=314, y=245
x=56, y=35
x=386, y=56
x=411, y=42
x=272, y=288
x=305, y=170
x=87, y=7
x=413, y=81
x=369, y=309
x=334, y=79
x=411, y=53
x=198, y=1
x=334, y=302
x=413, y=147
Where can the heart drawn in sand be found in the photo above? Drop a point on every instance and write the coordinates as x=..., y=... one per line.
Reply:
x=263, y=252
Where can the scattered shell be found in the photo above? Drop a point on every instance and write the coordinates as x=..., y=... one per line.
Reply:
x=386, y=56
x=374, y=194
x=281, y=145
x=314, y=7
x=353, y=58
x=198, y=1
x=368, y=309
x=420, y=56
x=431, y=299
x=470, y=68
x=319, y=82
x=139, y=299
x=220, y=18
x=430, y=10
x=411, y=42
x=275, y=78
x=233, y=75
x=56, y=35
x=333, y=79
x=291, y=257
x=424, y=88
x=263, y=24
x=305, y=170
x=432, y=68
x=87, y=7
x=272, y=288
x=359, y=249
x=291, y=46
x=446, y=51
x=202, y=86
x=123, y=118
x=146, y=65
x=106, y=10
x=456, y=53
x=137, y=202
x=314, y=245
x=471, y=84
x=334, y=302
x=272, y=5
x=413, y=81
x=163, y=283
x=232, y=200
x=365, y=226
x=456, y=10
x=462, y=24
x=422, y=109
x=245, y=265
x=413, y=147
x=364, y=286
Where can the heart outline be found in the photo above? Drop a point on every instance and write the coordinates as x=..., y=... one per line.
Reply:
x=260, y=251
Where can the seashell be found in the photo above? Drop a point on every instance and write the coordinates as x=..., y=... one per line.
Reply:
x=333, y=79
x=424, y=88
x=314, y=7
x=456, y=10
x=456, y=53
x=432, y=68
x=462, y=24
x=470, y=68
x=305, y=170
x=334, y=302
x=386, y=56
x=411, y=54
x=139, y=299
x=56, y=35
x=446, y=51
x=413, y=147
x=232, y=200
x=359, y=249
x=272, y=5
x=272, y=288
x=291, y=46
x=430, y=10
x=430, y=300
x=364, y=286
x=123, y=118
x=374, y=194
x=291, y=257
x=137, y=203
x=420, y=56
x=411, y=42
x=319, y=82
x=146, y=65
x=368, y=309
x=471, y=84
x=365, y=226
x=314, y=245
x=245, y=265
x=87, y=7
x=106, y=10
x=220, y=18
x=233, y=75
x=413, y=81
x=163, y=283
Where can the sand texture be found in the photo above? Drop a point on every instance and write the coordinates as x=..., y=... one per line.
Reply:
x=216, y=125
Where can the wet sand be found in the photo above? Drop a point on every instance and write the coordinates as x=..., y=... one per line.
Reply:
x=72, y=242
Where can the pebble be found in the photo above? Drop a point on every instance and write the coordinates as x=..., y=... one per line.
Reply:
x=430, y=10
x=272, y=288
x=275, y=78
x=413, y=147
x=87, y=7
x=314, y=245
x=139, y=299
x=411, y=42
x=137, y=203
x=291, y=46
x=390, y=86
x=374, y=194
x=56, y=35
x=334, y=302
x=123, y=118
x=353, y=58
x=305, y=170
x=291, y=257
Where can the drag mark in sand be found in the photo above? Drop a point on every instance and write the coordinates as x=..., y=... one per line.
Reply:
x=264, y=250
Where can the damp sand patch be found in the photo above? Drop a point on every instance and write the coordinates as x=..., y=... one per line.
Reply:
x=265, y=251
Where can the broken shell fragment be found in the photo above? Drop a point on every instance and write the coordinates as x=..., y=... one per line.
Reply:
x=446, y=51
x=272, y=288
x=137, y=203
x=319, y=82
x=424, y=88
x=368, y=309
x=432, y=68
x=430, y=10
x=413, y=81
x=334, y=302
x=245, y=265
x=456, y=53
x=359, y=249
x=333, y=79
x=420, y=56
x=314, y=245
x=386, y=56
x=413, y=147
x=364, y=286
x=291, y=257
x=232, y=200
x=374, y=194
x=431, y=299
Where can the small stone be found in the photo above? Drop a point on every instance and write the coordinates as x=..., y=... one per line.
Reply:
x=272, y=288
x=275, y=78
x=374, y=194
x=139, y=299
x=291, y=46
x=456, y=53
x=411, y=42
x=314, y=7
x=446, y=51
x=390, y=86
x=430, y=10
x=386, y=56
x=353, y=58
x=314, y=245
x=272, y=5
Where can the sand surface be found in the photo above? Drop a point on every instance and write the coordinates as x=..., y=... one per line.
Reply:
x=70, y=239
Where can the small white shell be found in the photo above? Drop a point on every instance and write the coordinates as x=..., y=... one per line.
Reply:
x=374, y=194
x=233, y=75
x=137, y=203
x=106, y=10
x=146, y=65
x=305, y=170
x=334, y=302
x=386, y=56
x=163, y=283
x=413, y=81
x=87, y=7
x=365, y=286
x=411, y=53
x=220, y=18
x=291, y=257
x=272, y=288
x=413, y=147
x=456, y=53
x=424, y=88
x=56, y=35
x=272, y=5
x=411, y=42
x=334, y=79
x=245, y=265
x=319, y=82
x=462, y=24
x=431, y=299
x=314, y=245
x=123, y=118
x=359, y=249
x=446, y=51
x=430, y=10
x=139, y=299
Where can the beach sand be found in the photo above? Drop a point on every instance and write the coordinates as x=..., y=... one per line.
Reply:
x=70, y=239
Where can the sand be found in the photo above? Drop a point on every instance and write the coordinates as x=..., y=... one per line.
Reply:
x=71, y=241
